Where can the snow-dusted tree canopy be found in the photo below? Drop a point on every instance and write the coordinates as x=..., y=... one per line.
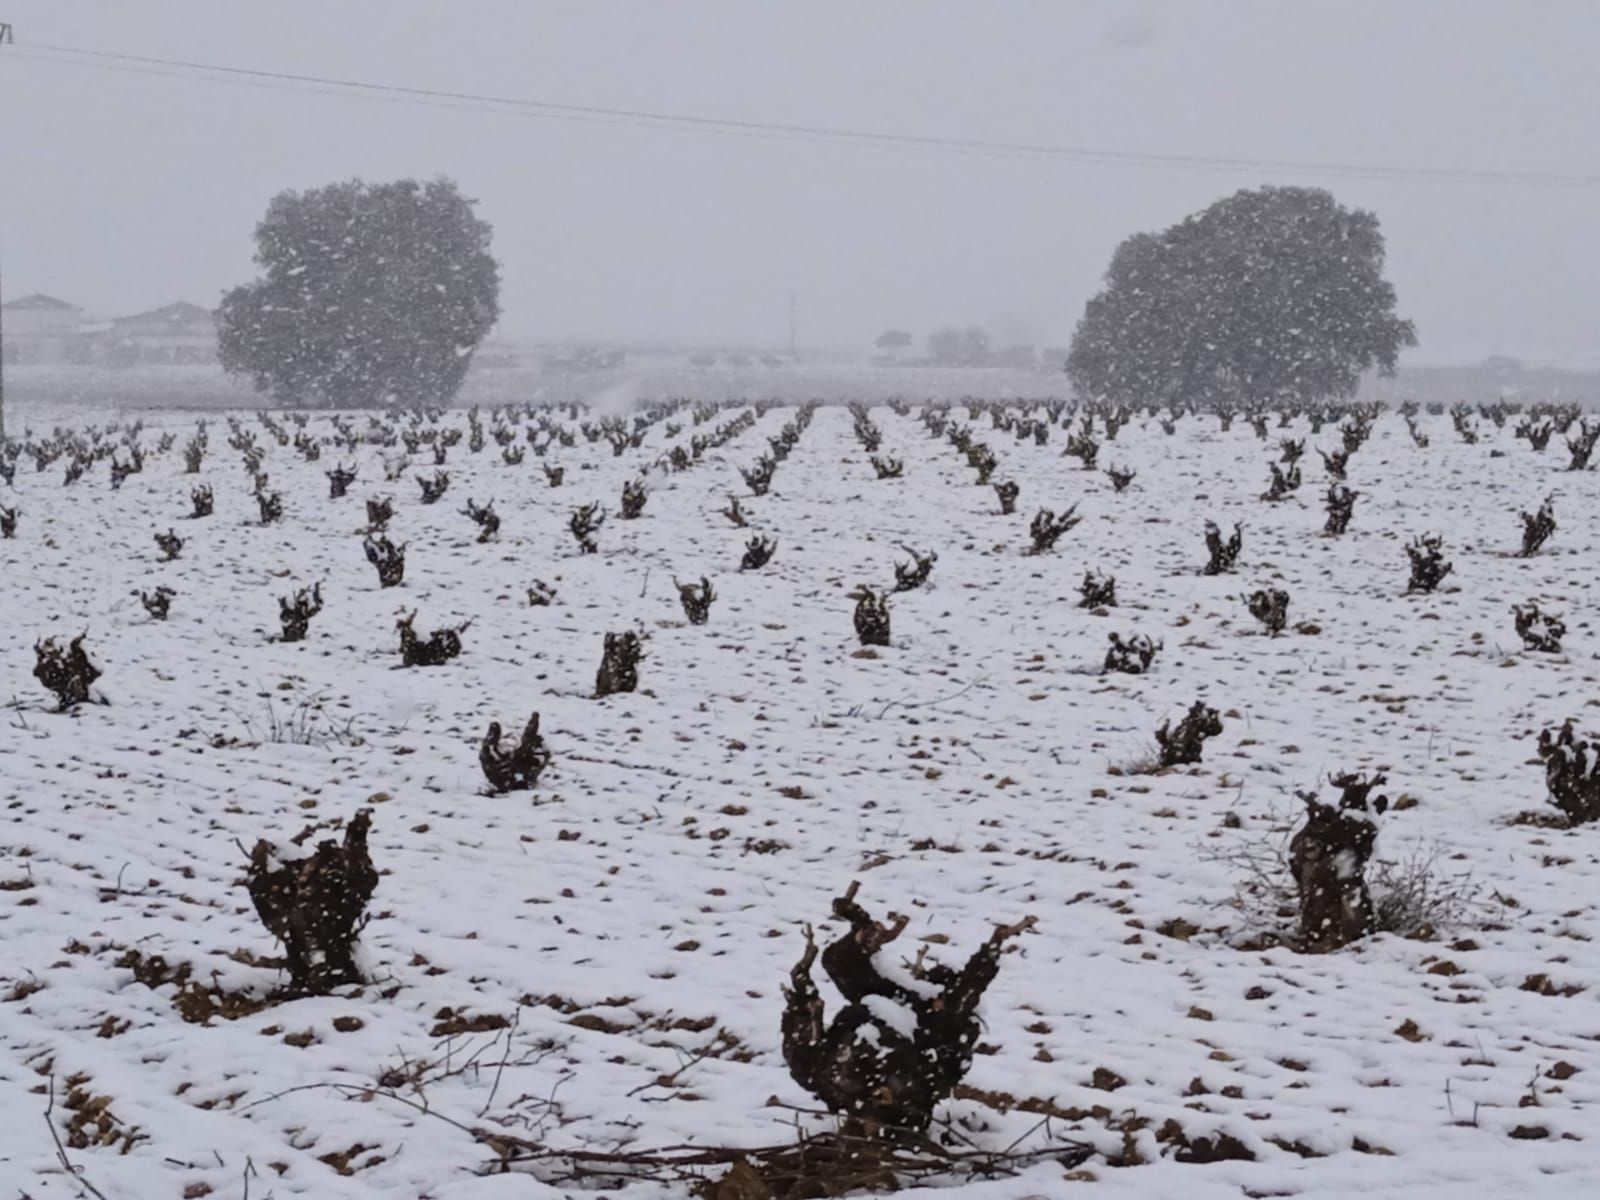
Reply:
x=372, y=294
x=1269, y=295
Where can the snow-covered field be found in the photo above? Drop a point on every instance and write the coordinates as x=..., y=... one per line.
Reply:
x=610, y=949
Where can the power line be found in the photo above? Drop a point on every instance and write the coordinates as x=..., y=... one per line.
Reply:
x=769, y=130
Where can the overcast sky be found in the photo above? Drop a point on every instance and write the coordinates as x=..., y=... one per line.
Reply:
x=121, y=190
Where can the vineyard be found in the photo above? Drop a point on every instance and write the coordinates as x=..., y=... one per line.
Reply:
x=758, y=798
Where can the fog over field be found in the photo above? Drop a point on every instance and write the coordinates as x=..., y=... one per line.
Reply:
x=130, y=184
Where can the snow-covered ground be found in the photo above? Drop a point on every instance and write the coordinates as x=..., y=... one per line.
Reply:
x=632, y=921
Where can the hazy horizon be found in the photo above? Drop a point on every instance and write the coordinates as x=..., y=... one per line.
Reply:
x=131, y=186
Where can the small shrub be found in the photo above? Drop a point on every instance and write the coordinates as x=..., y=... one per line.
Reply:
x=202, y=500
x=1082, y=445
x=517, y=769
x=1572, y=773
x=1120, y=478
x=885, y=1074
x=1582, y=446
x=316, y=906
x=487, y=520
x=1538, y=630
x=735, y=513
x=1328, y=859
x=910, y=576
x=379, y=513
x=759, y=477
x=583, y=524
x=1007, y=493
x=1355, y=433
x=888, y=468
x=170, y=544
x=295, y=612
x=1222, y=555
x=1538, y=434
x=1341, y=504
x=270, y=505
x=696, y=600
x=634, y=496
x=619, y=664
x=389, y=559
x=871, y=616
x=1047, y=528
x=442, y=644
x=339, y=480
x=1131, y=657
x=1336, y=463
x=541, y=594
x=69, y=673
x=433, y=489
x=1283, y=483
x=1097, y=590
x=981, y=459
x=758, y=552
x=158, y=603
x=1182, y=745
x=1270, y=606
x=8, y=522
x=1428, y=565
x=1537, y=527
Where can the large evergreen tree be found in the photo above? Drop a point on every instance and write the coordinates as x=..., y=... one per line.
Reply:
x=1267, y=296
x=371, y=294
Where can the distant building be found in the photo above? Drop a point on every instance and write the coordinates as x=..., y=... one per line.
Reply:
x=177, y=335
x=41, y=329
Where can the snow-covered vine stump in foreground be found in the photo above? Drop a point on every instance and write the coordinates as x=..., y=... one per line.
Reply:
x=1328, y=858
x=896, y=1050
x=316, y=906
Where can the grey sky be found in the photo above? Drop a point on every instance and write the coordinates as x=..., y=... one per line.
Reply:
x=123, y=190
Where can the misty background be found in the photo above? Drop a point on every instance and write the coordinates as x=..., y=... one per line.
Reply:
x=127, y=186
